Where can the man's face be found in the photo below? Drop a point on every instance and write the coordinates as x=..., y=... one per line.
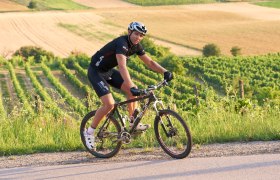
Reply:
x=136, y=37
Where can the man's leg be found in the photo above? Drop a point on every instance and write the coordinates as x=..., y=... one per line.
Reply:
x=107, y=105
x=131, y=106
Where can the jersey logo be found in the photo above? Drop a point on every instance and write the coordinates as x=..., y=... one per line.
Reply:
x=125, y=48
x=98, y=62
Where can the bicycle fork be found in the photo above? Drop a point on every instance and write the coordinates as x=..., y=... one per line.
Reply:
x=169, y=124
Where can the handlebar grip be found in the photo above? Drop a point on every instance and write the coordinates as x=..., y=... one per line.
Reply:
x=135, y=92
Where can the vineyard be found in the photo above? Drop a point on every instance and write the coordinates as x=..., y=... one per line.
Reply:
x=67, y=80
x=43, y=98
x=260, y=74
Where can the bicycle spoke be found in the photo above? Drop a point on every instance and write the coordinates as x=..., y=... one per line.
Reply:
x=106, y=136
x=173, y=134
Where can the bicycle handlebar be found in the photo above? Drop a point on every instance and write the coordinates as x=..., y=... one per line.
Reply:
x=138, y=92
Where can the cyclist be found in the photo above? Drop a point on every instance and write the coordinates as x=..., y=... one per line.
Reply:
x=101, y=74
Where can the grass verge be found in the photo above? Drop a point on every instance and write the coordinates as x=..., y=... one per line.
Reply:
x=25, y=134
x=273, y=3
x=54, y=4
x=215, y=122
x=88, y=32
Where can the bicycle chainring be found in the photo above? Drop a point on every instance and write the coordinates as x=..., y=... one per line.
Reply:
x=125, y=137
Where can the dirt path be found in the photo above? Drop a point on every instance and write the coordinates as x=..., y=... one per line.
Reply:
x=105, y=3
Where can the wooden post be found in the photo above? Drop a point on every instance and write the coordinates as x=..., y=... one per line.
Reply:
x=87, y=99
x=38, y=104
x=196, y=95
x=241, y=89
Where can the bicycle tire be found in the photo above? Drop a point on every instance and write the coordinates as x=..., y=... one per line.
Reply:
x=173, y=146
x=113, y=130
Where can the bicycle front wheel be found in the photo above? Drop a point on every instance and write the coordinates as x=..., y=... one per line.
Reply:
x=106, y=136
x=173, y=134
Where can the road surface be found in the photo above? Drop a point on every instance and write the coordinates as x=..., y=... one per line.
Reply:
x=263, y=166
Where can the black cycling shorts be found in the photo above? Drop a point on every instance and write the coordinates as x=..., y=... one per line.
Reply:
x=101, y=80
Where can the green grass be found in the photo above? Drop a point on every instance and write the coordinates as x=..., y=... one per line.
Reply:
x=44, y=133
x=218, y=119
x=273, y=3
x=88, y=32
x=3, y=113
x=216, y=122
x=217, y=125
x=54, y=4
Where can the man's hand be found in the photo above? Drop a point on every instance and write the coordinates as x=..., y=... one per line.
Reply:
x=134, y=91
x=168, y=76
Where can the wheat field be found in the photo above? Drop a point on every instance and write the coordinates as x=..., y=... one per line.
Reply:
x=185, y=29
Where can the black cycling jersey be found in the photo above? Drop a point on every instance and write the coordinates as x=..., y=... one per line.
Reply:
x=105, y=59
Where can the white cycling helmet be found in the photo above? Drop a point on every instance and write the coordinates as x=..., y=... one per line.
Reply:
x=137, y=26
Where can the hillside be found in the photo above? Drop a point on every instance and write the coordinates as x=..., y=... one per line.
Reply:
x=43, y=97
x=50, y=98
x=254, y=29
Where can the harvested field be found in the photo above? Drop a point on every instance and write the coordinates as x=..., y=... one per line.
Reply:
x=185, y=29
x=255, y=29
x=6, y=5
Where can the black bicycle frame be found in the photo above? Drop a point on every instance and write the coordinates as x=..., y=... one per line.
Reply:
x=151, y=98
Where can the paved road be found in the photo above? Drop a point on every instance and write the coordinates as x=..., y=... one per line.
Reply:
x=266, y=166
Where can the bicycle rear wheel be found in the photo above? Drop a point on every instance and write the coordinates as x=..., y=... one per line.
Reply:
x=106, y=136
x=173, y=134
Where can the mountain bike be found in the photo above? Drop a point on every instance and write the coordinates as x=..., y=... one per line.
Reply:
x=171, y=131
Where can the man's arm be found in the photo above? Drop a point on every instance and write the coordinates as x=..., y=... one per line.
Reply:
x=152, y=64
x=123, y=70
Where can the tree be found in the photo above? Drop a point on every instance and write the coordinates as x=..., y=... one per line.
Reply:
x=32, y=5
x=174, y=64
x=235, y=51
x=211, y=50
x=37, y=52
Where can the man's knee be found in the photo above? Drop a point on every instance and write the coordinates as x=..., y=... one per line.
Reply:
x=108, y=101
x=108, y=106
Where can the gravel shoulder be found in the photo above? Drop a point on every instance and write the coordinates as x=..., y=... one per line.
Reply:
x=212, y=150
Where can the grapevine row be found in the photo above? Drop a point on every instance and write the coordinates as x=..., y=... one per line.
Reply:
x=180, y=84
x=19, y=90
x=40, y=90
x=260, y=71
x=79, y=69
x=148, y=81
x=3, y=114
x=72, y=101
x=74, y=80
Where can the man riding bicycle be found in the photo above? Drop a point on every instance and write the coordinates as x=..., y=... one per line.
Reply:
x=101, y=73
